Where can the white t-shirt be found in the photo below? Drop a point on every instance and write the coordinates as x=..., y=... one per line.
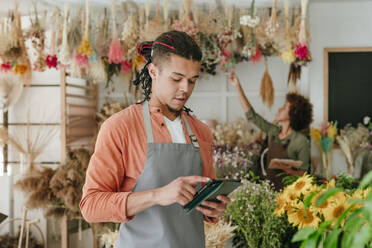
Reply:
x=176, y=130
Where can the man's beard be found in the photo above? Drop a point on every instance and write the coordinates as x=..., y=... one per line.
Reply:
x=172, y=110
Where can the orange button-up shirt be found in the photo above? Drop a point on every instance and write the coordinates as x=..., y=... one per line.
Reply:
x=119, y=158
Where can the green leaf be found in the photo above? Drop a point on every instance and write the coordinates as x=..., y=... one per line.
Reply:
x=362, y=237
x=308, y=199
x=332, y=239
x=324, y=197
x=324, y=225
x=367, y=180
x=353, y=223
x=312, y=241
x=303, y=234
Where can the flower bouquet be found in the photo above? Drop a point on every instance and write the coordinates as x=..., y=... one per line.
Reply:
x=325, y=138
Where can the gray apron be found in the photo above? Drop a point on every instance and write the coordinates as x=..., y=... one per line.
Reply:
x=165, y=226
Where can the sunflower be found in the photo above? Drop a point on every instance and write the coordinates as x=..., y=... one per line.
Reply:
x=338, y=204
x=281, y=204
x=319, y=209
x=290, y=194
x=301, y=218
x=303, y=185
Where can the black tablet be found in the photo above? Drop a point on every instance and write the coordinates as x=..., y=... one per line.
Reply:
x=211, y=190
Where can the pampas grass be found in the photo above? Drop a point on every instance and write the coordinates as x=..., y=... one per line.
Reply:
x=102, y=36
x=57, y=191
x=64, y=53
x=217, y=234
x=74, y=35
x=97, y=72
x=267, y=89
x=10, y=90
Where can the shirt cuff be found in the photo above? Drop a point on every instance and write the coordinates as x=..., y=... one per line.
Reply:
x=250, y=114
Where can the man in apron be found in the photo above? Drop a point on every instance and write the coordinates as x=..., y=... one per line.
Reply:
x=150, y=157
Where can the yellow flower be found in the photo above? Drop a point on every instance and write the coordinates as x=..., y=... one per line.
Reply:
x=290, y=194
x=321, y=207
x=20, y=69
x=300, y=218
x=316, y=135
x=303, y=185
x=281, y=204
x=332, y=131
x=337, y=204
x=138, y=62
x=288, y=56
x=85, y=48
x=331, y=184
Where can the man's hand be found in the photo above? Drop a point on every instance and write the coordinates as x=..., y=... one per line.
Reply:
x=181, y=190
x=215, y=209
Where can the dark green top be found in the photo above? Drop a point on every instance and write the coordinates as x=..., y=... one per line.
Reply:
x=298, y=147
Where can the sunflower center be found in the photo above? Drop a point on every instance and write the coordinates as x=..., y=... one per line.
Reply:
x=299, y=185
x=338, y=211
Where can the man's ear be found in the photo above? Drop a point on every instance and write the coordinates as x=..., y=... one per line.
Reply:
x=152, y=71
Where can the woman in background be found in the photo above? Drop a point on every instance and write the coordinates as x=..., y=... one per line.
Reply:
x=285, y=141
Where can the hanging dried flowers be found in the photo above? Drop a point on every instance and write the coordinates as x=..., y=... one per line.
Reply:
x=37, y=35
x=103, y=38
x=51, y=59
x=272, y=24
x=185, y=23
x=267, y=88
x=74, y=34
x=13, y=48
x=85, y=48
x=224, y=40
x=10, y=90
x=64, y=53
x=5, y=67
x=211, y=51
x=251, y=49
x=130, y=36
x=155, y=26
x=116, y=53
x=301, y=51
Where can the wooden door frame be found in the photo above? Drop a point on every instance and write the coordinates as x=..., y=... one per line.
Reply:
x=328, y=50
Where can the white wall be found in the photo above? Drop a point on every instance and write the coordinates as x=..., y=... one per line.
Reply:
x=341, y=24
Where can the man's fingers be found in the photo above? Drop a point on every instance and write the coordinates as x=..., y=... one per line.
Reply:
x=196, y=179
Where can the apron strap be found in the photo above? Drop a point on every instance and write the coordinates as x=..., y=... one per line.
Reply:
x=192, y=136
x=147, y=120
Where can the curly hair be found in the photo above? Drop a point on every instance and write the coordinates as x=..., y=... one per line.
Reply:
x=300, y=112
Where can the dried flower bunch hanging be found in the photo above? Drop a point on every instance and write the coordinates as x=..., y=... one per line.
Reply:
x=116, y=53
x=248, y=24
x=51, y=59
x=267, y=88
x=37, y=35
x=185, y=22
x=155, y=26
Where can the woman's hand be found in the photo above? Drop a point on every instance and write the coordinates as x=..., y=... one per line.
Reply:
x=233, y=79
